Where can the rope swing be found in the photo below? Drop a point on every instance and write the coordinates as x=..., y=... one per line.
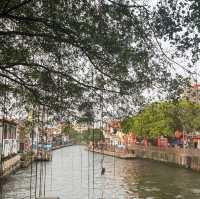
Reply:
x=103, y=170
x=4, y=94
x=93, y=132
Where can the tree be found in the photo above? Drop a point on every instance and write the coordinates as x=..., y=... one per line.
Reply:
x=164, y=118
x=74, y=135
x=177, y=22
x=95, y=135
x=54, y=53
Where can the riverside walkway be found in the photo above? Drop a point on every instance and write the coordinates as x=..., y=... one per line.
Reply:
x=188, y=158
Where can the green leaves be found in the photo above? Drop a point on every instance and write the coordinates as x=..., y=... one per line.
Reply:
x=95, y=135
x=49, y=49
x=164, y=118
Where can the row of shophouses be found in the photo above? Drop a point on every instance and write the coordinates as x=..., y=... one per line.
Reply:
x=114, y=136
x=15, y=138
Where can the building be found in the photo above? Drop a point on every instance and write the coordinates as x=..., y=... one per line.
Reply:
x=114, y=127
x=56, y=136
x=8, y=138
x=113, y=133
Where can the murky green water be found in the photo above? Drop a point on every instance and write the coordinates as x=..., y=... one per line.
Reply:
x=69, y=176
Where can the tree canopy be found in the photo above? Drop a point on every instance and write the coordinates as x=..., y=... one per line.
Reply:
x=164, y=118
x=62, y=54
x=85, y=137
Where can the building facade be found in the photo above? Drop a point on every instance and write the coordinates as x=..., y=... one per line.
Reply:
x=9, y=144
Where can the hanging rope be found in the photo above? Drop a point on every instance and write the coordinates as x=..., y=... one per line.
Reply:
x=103, y=170
x=51, y=187
x=88, y=171
x=36, y=164
x=43, y=169
x=3, y=126
x=32, y=137
x=102, y=142
x=41, y=162
x=2, y=136
x=81, y=165
x=45, y=164
x=114, y=158
x=93, y=140
x=1, y=189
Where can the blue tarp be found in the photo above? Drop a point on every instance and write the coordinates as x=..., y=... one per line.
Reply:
x=47, y=146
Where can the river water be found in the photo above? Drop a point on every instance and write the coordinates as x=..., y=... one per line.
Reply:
x=71, y=175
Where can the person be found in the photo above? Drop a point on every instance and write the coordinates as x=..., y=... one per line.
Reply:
x=145, y=142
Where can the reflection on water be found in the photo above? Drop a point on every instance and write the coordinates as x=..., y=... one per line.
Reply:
x=70, y=175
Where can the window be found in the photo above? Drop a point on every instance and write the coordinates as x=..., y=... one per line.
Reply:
x=5, y=134
x=9, y=128
x=13, y=132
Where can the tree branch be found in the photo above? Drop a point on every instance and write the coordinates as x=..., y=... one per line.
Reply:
x=17, y=6
x=32, y=34
x=127, y=6
x=63, y=74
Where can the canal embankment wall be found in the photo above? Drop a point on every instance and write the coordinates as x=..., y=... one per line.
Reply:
x=188, y=158
x=10, y=165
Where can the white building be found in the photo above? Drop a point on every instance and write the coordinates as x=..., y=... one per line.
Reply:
x=9, y=144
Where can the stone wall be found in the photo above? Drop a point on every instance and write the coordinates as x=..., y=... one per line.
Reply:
x=188, y=158
x=10, y=165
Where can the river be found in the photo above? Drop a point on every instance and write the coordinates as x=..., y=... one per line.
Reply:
x=70, y=176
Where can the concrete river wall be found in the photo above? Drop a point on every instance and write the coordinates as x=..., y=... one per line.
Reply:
x=188, y=158
x=10, y=165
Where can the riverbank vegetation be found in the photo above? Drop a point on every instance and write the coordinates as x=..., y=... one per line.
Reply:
x=84, y=137
x=164, y=118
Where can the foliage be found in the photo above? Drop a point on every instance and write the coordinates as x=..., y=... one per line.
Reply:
x=95, y=135
x=85, y=136
x=55, y=52
x=73, y=134
x=178, y=23
x=164, y=118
